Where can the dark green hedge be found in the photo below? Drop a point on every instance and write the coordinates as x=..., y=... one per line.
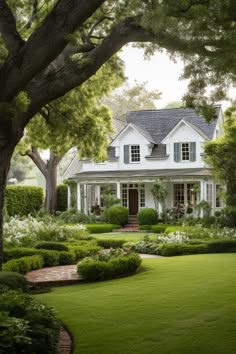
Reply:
x=171, y=249
x=13, y=281
x=101, y=228
x=24, y=265
x=62, y=197
x=147, y=216
x=23, y=200
x=110, y=243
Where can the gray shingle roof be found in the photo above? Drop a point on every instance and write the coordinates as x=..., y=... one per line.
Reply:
x=158, y=123
x=158, y=152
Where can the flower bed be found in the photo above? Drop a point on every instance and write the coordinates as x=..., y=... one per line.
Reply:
x=109, y=264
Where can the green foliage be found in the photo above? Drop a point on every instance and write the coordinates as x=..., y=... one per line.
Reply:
x=94, y=269
x=73, y=216
x=147, y=216
x=18, y=252
x=159, y=228
x=20, y=169
x=62, y=195
x=13, y=281
x=222, y=246
x=159, y=192
x=67, y=257
x=27, y=326
x=51, y=258
x=23, y=200
x=56, y=246
x=108, y=198
x=85, y=250
x=170, y=249
x=118, y=215
x=147, y=247
x=24, y=264
x=203, y=205
x=110, y=243
x=101, y=228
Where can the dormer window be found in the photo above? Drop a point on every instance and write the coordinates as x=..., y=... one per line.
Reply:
x=134, y=153
x=185, y=151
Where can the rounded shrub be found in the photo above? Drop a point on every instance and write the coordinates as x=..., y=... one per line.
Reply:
x=62, y=197
x=106, y=243
x=147, y=216
x=117, y=214
x=93, y=269
x=67, y=257
x=24, y=265
x=56, y=246
x=13, y=281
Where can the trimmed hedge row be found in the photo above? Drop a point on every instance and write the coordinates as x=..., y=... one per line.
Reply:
x=23, y=200
x=106, y=243
x=92, y=269
x=85, y=251
x=24, y=265
x=157, y=229
x=13, y=281
x=55, y=246
x=101, y=228
x=218, y=246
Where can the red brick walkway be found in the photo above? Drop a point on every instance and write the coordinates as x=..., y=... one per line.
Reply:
x=54, y=276
x=65, y=342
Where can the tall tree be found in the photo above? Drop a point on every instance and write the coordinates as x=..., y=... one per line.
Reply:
x=75, y=120
x=130, y=98
x=20, y=168
x=47, y=48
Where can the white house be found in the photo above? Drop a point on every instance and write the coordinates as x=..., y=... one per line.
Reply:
x=166, y=144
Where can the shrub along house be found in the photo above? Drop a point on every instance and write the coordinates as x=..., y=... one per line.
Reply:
x=164, y=144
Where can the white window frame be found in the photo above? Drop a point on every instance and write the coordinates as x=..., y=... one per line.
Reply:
x=130, y=153
x=185, y=160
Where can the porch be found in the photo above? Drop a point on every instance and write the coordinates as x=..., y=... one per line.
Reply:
x=135, y=193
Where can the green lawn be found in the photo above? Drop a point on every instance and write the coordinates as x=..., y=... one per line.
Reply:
x=129, y=236
x=179, y=305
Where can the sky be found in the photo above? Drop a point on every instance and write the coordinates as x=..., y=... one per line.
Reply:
x=159, y=72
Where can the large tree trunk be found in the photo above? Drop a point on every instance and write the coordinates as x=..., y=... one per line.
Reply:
x=49, y=170
x=6, y=150
x=51, y=186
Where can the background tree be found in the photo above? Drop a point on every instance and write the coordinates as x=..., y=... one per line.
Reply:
x=20, y=168
x=131, y=98
x=221, y=155
x=174, y=104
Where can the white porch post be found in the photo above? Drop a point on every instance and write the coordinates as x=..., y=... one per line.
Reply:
x=85, y=199
x=118, y=190
x=202, y=194
x=68, y=198
x=78, y=197
x=98, y=194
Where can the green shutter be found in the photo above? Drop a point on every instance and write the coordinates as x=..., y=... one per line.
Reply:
x=177, y=152
x=193, y=152
x=126, y=154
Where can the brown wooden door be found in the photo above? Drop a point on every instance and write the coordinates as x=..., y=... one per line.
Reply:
x=133, y=201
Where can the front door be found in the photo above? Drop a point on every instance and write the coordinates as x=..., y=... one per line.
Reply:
x=133, y=201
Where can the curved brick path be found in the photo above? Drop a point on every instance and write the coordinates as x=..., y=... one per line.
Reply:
x=54, y=275
x=64, y=345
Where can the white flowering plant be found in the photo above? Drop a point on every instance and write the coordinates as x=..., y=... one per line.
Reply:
x=174, y=237
x=27, y=232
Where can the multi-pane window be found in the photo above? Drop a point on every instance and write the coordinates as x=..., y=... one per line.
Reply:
x=124, y=195
x=185, y=152
x=209, y=194
x=142, y=197
x=218, y=196
x=134, y=153
x=178, y=194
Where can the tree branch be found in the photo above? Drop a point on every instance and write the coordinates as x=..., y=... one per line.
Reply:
x=47, y=42
x=37, y=159
x=8, y=30
x=34, y=14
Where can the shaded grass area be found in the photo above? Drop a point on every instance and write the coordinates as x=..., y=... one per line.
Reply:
x=129, y=236
x=182, y=305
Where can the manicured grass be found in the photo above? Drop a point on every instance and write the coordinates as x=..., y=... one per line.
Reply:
x=129, y=236
x=182, y=305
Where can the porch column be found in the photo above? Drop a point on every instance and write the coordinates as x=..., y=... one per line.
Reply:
x=118, y=190
x=202, y=194
x=78, y=197
x=68, y=198
x=85, y=199
x=98, y=194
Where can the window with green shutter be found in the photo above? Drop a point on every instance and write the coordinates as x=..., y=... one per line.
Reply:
x=193, y=152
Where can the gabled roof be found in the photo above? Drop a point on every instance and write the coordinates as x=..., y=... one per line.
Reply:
x=141, y=131
x=159, y=122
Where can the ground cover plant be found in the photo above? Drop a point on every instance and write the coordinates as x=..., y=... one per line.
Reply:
x=180, y=305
